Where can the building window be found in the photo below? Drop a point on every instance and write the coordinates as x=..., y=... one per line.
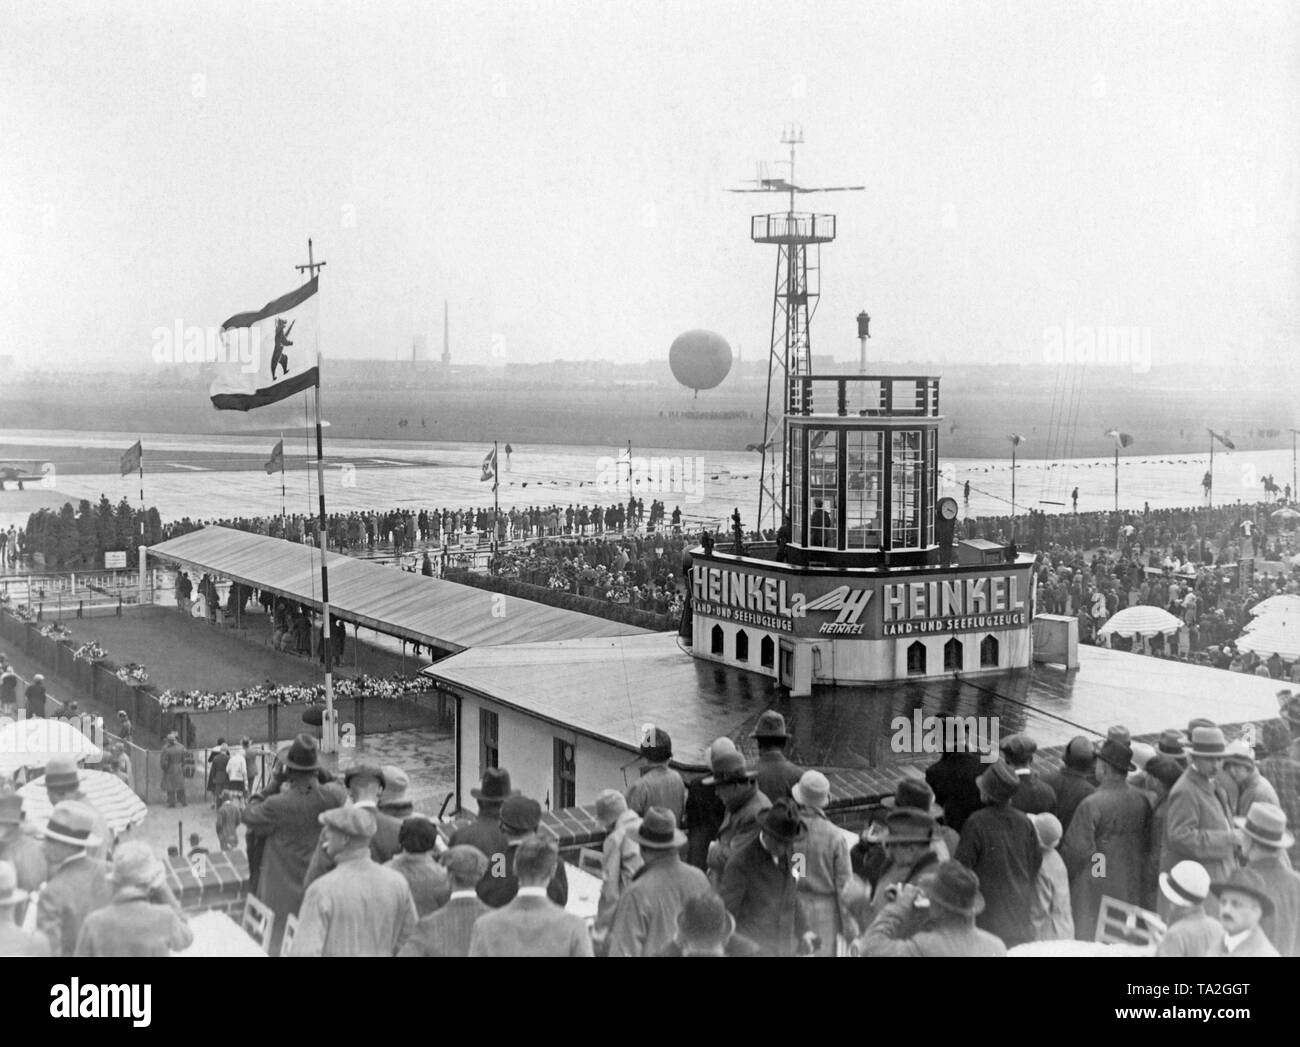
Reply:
x=742, y=646
x=916, y=658
x=862, y=498
x=823, y=488
x=489, y=726
x=989, y=652
x=905, y=490
x=766, y=652
x=952, y=655
x=931, y=487
x=566, y=775
x=795, y=504
x=715, y=638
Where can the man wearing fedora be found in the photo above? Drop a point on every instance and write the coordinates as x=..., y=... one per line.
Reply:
x=1074, y=780
x=744, y=803
x=1198, y=817
x=1243, y=903
x=14, y=941
x=776, y=775
x=645, y=918
x=288, y=822
x=531, y=924
x=173, y=769
x=393, y=801
x=446, y=932
x=358, y=908
x=1114, y=822
x=1034, y=795
x=484, y=832
x=19, y=844
x=620, y=856
x=760, y=889
x=704, y=810
x=63, y=783
x=933, y=918
x=705, y=928
x=1267, y=841
x=1239, y=763
x=144, y=918
x=999, y=844
x=659, y=785
x=1192, y=931
x=907, y=841
x=78, y=882
x=520, y=818
x=364, y=783
x=823, y=855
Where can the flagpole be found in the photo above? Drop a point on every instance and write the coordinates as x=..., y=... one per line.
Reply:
x=496, y=510
x=1117, y=474
x=1210, y=493
x=329, y=731
x=284, y=529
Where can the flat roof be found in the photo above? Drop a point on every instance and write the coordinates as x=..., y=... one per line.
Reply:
x=607, y=688
x=429, y=611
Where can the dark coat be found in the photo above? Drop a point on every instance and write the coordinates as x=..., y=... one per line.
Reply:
x=1114, y=822
x=173, y=773
x=1034, y=796
x=217, y=778
x=776, y=775
x=952, y=777
x=704, y=814
x=1071, y=787
x=289, y=823
x=999, y=844
x=483, y=833
x=35, y=695
x=499, y=891
x=763, y=896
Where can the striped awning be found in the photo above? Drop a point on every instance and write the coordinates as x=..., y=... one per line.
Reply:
x=105, y=792
x=1141, y=620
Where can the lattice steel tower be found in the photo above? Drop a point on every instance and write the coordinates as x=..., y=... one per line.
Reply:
x=796, y=234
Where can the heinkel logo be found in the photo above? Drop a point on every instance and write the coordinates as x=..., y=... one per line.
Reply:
x=849, y=602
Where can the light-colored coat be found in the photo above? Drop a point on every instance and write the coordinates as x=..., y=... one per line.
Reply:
x=822, y=857
x=358, y=908
x=1198, y=828
x=447, y=932
x=738, y=828
x=620, y=861
x=645, y=921
x=1053, y=918
x=131, y=925
x=1256, y=944
x=530, y=926
x=1195, y=934
x=1282, y=884
x=75, y=889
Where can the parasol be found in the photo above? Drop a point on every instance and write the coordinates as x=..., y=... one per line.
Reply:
x=107, y=793
x=1286, y=513
x=1142, y=620
x=32, y=743
x=1272, y=634
x=1280, y=603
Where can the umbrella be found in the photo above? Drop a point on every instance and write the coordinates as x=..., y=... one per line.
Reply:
x=107, y=793
x=1141, y=620
x=1281, y=603
x=1272, y=635
x=1286, y=513
x=32, y=743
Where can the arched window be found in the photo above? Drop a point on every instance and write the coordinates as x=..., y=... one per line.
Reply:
x=989, y=652
x=916, y=658
x=715, y=640
x=742, y=646
x=767, y=653
x=952, y=651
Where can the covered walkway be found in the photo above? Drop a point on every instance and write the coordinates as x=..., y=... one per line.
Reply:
x=427, y=611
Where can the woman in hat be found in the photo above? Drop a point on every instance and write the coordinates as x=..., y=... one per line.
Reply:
x=144, y=917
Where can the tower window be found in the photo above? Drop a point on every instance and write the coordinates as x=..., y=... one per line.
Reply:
x=916, y=658
x=989, y=652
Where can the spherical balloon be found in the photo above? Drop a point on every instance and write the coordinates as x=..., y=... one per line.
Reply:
x=700, y=359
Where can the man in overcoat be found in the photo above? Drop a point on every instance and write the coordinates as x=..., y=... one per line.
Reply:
x=1198, y=815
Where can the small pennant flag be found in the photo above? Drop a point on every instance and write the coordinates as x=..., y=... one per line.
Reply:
x=131, y=458
x=490, y=466
x=1016, y=439
x=1123, y=439
x=1223, y=440
x=264, y=354
x=276, y=462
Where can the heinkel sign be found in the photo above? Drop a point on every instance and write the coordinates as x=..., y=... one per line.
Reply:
x=868, y=608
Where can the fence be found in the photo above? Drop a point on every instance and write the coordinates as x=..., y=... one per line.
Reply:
x=587, y=604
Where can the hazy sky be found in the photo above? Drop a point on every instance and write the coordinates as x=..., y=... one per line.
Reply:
x=558, y=171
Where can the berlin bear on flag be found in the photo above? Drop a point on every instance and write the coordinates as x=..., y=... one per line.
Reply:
x=278, y=339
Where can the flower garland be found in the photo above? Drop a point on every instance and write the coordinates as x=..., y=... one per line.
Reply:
x=294, y=694
x=133, y=673
x=90, y=652
x=55, y=631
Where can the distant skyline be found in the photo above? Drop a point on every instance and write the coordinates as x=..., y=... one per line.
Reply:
x=558, y=172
